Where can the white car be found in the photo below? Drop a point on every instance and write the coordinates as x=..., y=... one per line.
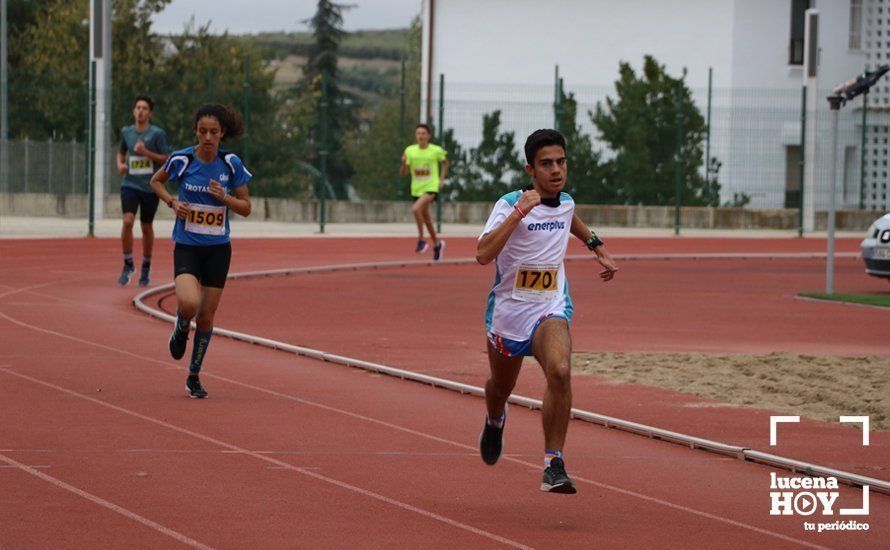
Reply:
x=876, y=248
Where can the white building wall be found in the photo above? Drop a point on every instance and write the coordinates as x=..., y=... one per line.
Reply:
x=501, y=54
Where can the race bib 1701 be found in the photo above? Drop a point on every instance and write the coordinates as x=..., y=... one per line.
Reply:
x=140, y=166
x=536, y=282
x=206, y=220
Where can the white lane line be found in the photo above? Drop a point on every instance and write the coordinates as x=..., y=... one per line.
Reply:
x=410, y=431
x=283, y=465
x=105, y=503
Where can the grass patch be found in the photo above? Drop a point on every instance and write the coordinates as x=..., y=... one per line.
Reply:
x=882, y=300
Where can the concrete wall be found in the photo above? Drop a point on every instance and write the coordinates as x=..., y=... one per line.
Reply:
x=286, y=210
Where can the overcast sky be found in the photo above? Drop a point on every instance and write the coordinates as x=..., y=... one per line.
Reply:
x=251, y=16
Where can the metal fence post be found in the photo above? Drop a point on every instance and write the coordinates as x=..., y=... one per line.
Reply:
x=73, y=165
x=91, y=146
x=27, y=162
x=49, y=164
x=864, y=144
x=323, y=149
x=678, y=162
x=4, y=101
x=803, y=137
x=556, y=99
x=400, y=184
x=709, y=198
x=441, y=142
x=835, y=103
x=245, y=140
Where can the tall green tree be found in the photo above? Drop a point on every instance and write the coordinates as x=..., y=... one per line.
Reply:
x=492, y=168
x=327, y=31
x=640, y=128
x=587, y=182
x=376, y=151
x=48, y=75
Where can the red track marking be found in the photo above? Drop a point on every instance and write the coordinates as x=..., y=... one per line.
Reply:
x=384, y=328
x=503, y=500
x=631, y=493
x=265, y=458
x=102, y=502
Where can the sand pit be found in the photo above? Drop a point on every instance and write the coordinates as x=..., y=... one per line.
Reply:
x=820, y=387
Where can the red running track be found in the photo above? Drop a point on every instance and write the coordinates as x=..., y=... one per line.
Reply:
x=98, y=446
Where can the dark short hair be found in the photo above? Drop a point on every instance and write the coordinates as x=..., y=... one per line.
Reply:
x=145, y=98
x=229, y=119
x=425, y=127
x=540, y=139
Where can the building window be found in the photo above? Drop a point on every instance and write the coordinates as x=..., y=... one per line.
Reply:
x=798, y=19
x=855, y=24
x=792, y=176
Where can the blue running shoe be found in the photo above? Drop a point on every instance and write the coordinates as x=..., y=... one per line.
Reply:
x=437, y=251
x=126, y=274
x=144, y=279
x=421, y=246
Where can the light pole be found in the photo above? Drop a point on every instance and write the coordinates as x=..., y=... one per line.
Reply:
x=841, y=95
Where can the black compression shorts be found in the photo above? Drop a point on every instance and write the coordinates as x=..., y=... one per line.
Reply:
x=147, y=203
x=209, y=264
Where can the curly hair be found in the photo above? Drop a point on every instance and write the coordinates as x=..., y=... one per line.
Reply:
x=229, y=119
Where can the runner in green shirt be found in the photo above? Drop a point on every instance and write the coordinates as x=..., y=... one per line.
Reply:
x=143, y=149
x=423, y=160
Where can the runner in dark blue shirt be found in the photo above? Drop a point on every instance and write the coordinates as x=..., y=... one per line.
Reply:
x=211, y=182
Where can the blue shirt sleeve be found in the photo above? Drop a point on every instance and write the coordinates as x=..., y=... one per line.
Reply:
x=175, y=166
x=240, y=174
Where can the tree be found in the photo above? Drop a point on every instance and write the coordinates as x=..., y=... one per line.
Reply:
x=327, y=31
x=492, y=168
x=586, y=180
x=640, y=128
x=179, y=73
x=377, y=150
x=49, y=75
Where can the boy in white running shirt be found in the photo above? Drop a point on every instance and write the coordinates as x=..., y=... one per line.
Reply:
x=529, y=307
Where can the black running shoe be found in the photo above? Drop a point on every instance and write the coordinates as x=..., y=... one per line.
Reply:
x=437, y=251
x=178, y=342
x=144, y=279
x=556, y=480
x=421, y=246
x=126, y=274
x=193, y=387
x=491, y=443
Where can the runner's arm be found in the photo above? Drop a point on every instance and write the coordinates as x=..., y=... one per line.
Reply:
x=581, y=231
x=158, y=181
x=404, y=170
x=156, y=158
x=238, y=200
x=445, y=165
x=491, y=244
x=122, y=161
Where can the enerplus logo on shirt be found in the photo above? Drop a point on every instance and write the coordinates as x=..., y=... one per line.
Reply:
x=546, y=226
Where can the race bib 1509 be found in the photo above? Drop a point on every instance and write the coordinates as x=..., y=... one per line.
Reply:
x=140, y=166
x=536, y=282
x=206, y=220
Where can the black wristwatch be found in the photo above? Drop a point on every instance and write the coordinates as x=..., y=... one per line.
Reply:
x=593, y=241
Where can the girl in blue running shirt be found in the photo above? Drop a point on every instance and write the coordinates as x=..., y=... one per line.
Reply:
x=211, y=182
